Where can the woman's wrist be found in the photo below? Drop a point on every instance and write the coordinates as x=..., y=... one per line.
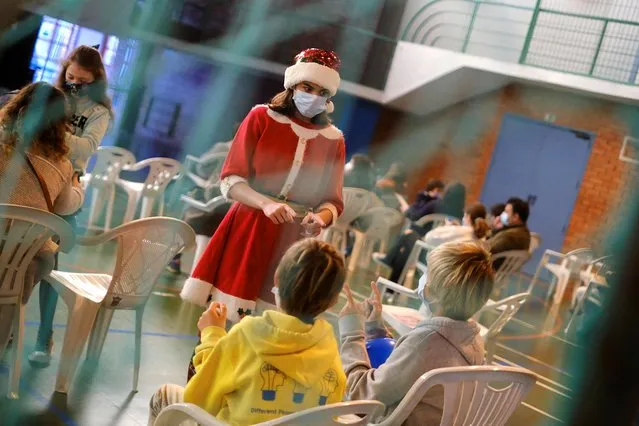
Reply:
x=326, y=215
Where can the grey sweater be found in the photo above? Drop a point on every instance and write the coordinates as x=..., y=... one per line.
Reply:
x=435, y=343
x=89, y=123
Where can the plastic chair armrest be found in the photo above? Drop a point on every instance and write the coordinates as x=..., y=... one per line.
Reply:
x=383, y=283
x=205, y=207
x=192, y=411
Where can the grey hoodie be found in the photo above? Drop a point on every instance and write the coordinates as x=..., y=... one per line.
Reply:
x=434, y=343
x=89, y=123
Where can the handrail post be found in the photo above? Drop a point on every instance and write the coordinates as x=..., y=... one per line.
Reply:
x=471, y=24
x=529, y=35
x=601, y=39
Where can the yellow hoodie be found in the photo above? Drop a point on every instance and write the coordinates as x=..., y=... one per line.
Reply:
x=266, y=367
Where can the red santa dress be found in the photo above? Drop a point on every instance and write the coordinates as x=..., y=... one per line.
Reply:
x=282, y=157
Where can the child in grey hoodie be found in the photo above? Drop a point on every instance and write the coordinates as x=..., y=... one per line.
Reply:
x=460, y=279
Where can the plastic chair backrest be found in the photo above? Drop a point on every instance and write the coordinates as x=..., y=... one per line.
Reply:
x=109, y=161
x=509, y=262
x=144, y=248
x=23, y=232
x=175, y=414
x=356, y=203
x=413, y=261
x=469, y=398
x=161, y=172
x=214, y=164
x=383, y=220
x=535, y=242
x=580, y=258
x=511, y=306
x=436, y=219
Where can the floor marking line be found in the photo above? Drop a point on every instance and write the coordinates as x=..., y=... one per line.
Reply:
x=121, y=331
x=550, y=416
x=542, y=377
x=532, y=358
x=66, y=419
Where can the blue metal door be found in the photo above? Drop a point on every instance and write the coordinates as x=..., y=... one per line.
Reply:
x=543, y=164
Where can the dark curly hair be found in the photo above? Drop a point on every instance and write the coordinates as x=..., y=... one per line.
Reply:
x=36, y=120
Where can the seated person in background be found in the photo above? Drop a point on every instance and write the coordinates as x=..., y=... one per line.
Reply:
x=422, y=205
x=391, y=187
x=278, y=363
x=451, y=204
x=493, y=218
x=459, y=280
x=474, y=227
x=359, y=173
x=514, y=234
x=35, y=170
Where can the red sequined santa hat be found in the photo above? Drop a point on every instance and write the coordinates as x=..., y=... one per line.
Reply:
x=318, y=66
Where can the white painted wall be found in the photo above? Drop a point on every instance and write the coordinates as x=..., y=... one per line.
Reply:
x=560, y=42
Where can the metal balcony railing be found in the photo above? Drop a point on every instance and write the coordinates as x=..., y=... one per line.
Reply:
x=601, y=47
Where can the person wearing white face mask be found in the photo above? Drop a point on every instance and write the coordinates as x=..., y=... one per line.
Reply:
x=457, y=284
x=514, y=234
x=285, y=173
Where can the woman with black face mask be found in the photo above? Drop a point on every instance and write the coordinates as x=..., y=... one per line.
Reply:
x=83, y=80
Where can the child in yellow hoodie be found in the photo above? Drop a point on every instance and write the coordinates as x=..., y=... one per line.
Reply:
x=276, y=364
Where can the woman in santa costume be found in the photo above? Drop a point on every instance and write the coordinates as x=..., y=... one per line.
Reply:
x=284, y=173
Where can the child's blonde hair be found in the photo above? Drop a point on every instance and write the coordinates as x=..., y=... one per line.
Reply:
x=310, y=277
x=460, y=277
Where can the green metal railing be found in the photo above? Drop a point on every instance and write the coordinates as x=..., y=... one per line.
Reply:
x=601, y=47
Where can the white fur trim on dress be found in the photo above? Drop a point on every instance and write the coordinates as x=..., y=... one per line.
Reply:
x=228, y=183
x=233, y=304
x=326, y=77
x=196, y=291
x=329, y=132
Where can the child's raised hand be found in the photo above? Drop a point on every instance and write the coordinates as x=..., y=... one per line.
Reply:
x=215, y=316
x=375, y=303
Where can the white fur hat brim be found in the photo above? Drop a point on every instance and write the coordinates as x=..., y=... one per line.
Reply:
x=324, y=76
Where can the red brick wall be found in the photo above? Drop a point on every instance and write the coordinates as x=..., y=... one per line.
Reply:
x=457, y=144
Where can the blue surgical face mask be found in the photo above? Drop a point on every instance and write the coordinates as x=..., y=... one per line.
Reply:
x=504, y=218
x=309, y=105
x=427, y=302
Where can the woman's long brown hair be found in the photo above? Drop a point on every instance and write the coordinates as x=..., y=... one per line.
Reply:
x=89, y=58
x=283, y=103
x=36, y=120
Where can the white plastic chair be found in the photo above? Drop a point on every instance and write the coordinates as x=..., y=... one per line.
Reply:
x=151, y=191
x=23, y=232
x=563, y=267
x=535, y=242
x=436, y=220
x=469, y=399
x=511, y=262
x=593, y=276
x=215, y=161
x=507, y=309
x=356, y=203
x=383, y=221
x=400, y=318
x=333, y=414
x=144, y=248
x=109, y=161
x=202, y=241
x=406, y=278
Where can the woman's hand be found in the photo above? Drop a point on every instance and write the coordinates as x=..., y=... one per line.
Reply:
x=214, y=316
x=313, y=224
x=279, y=213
